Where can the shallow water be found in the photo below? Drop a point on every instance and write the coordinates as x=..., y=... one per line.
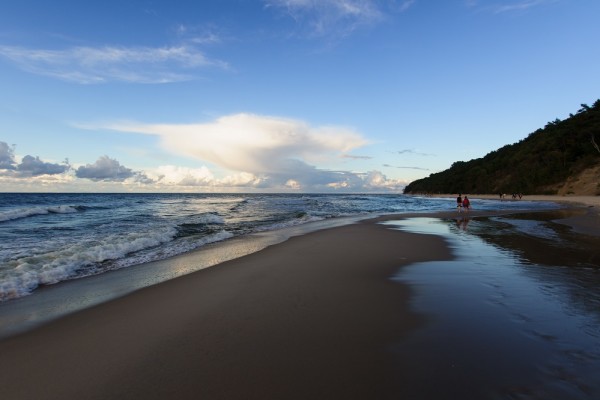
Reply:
x=515, y=316
x=47, y=238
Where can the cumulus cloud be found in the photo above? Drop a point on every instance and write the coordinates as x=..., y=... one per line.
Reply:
x=88, y=65
x=370, y=181
x=33, y=166
x=108, y=169
x=262, y=152
x=7, y=157
x=173, y=176
x=182, y=176
x=275, y=147
x=29, y=165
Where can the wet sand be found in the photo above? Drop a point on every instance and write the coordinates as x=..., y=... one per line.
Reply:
x=516, y=315
x=585, y=217
x=309, y=318
x=318, y=316
x=584, y=211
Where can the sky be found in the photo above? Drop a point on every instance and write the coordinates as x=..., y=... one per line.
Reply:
x=279, y=95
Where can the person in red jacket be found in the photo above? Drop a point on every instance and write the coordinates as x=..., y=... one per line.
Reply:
x=466, y=204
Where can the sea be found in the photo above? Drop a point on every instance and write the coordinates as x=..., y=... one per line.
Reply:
x=50, y=238
x=515, y=314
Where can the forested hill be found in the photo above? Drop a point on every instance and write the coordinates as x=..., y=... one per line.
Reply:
x=542, y=163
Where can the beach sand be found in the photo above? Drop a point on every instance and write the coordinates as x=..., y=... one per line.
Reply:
x=314, y=317
x=308, y=318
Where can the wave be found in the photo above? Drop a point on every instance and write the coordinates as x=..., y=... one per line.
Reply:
x=203, y=224
x=174, y=248
x=239, y=204
x=19, y=213
x=111, y=232
x=289, y=220
x=83, y=258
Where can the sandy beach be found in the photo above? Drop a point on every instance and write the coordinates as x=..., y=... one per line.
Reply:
x=315, y=317
x=309, y=318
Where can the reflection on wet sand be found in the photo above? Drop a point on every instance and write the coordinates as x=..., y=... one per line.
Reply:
x=463, y=223
x=516, y=315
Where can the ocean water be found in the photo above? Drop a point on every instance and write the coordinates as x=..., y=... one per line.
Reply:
x=49, y=238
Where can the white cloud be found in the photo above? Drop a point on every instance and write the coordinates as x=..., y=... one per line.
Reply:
x=264, y=153
x=241, y=179
x=504, y=7
x=406, y=4
x=34, y=166
x=292, y=184
x=7, y=157
x=337, y=17
x=174, y=176
x=105, y=168
x=253, y=143
x=200, y=35
x=261, y=154
x=89, y=65
x=519, y=5
x=29, y=166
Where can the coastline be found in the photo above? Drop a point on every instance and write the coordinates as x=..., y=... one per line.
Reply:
x=590, y=201
x=583, y=211
x=313, y=316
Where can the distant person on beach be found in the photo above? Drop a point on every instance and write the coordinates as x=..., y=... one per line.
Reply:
x=466, y=203
x=459, y=202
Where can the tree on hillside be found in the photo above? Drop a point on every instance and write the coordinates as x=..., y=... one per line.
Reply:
x=544, y=159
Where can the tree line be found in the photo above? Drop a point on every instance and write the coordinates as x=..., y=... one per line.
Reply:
x=534, y=165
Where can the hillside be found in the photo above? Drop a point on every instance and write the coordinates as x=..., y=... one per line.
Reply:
x=561, y=158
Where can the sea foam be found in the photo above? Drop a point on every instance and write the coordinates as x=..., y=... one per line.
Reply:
x=21, y=276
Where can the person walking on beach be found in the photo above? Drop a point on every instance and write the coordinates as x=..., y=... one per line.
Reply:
x=459, y=202
x=466, y=204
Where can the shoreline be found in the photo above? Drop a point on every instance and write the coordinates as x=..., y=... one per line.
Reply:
x=307, y=318
x=585, y=210
x=48, y=303
x=312, y=316
x=593, y=201
x=55, y=301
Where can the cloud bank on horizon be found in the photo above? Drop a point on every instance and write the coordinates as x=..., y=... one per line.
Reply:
x=258, y=152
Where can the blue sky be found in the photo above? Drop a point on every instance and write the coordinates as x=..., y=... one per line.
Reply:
x=279, y=95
